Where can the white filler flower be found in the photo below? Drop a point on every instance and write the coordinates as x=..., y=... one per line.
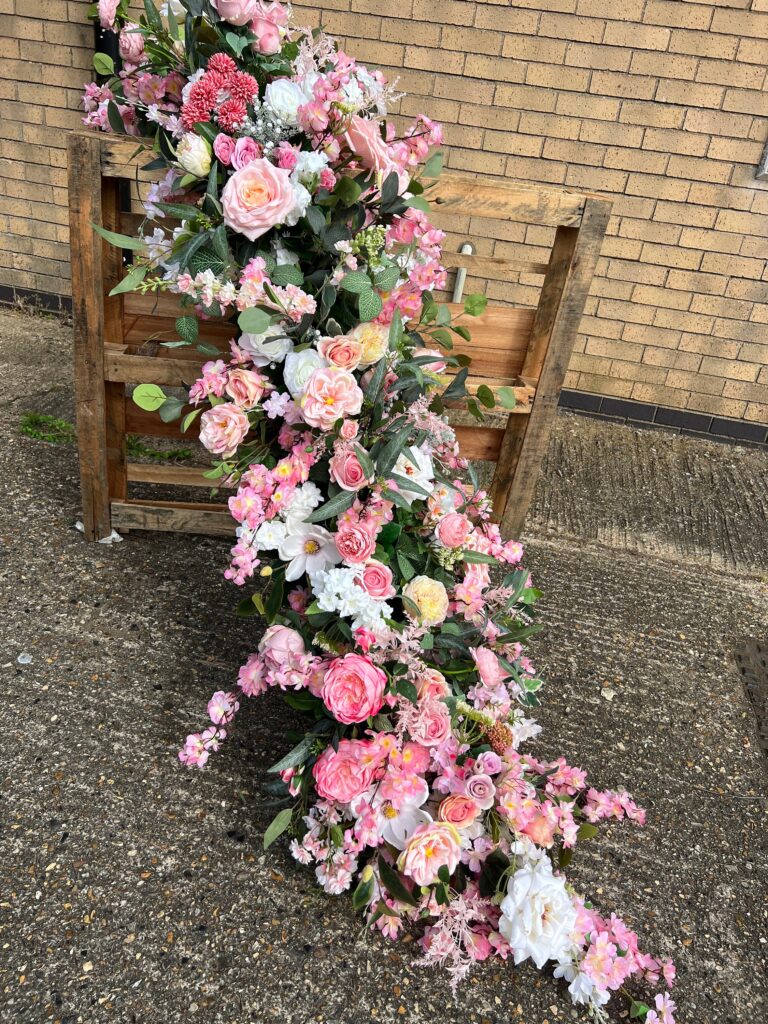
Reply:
x=537, y=914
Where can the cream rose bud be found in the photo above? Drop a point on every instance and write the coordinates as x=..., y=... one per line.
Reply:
x=284, y=97
x=299, y=367
x=374, y=342
x=270, y=347
x=430, y=597
x=194, y=154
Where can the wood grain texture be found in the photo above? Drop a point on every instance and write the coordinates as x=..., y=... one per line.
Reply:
x=494, y=268
x=182, y=476
x=504, y=200
x=175, y=517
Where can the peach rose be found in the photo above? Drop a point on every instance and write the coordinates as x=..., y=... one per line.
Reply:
x=377, y=580
x=245, y=388
x=453, y=530
x=346, y=470
x=345, y=773
x=330, y=394
x=256, y=198
x=353, y=688
x=341, y=351
x=223, y=428
x=432, y=683
x=432, y=846
x=541, y=830
x=458, y=810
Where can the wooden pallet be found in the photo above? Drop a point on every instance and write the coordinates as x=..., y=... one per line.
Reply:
x=116, y=342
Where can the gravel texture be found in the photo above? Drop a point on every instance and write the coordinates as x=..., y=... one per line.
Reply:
x=132, y=890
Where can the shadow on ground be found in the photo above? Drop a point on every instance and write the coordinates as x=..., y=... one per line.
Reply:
x=135, y=892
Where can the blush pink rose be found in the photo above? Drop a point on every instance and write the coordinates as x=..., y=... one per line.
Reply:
x=433, y=845
x=489, y=668
x=453, y=530
x=131, y=43
x=458, y=810
x=266, y=24
x=355, y=542
x=353, y=688
x=330, y=394
x=245, y=152
x=257, y=198
x=107, y=13
x=236, y=12
x=224, y=148
x=482, y=790
x=341, y=351
x=364, y=139
x=349, y=430
x=377, y=580
x=280, y=644
x=245, y=387
x=346, y=470
x=432, y=684
x=345, y=773
x=223, y=428
x=433, y=724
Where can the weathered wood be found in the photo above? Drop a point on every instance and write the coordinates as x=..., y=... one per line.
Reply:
x=148, y=424
x=500, y=200
x=176, y=517
x=134, y=369
x=499, y=340
x=495, y=268
x=563, y=295
x=181, y=476
x=479, y=444
x=88, y=319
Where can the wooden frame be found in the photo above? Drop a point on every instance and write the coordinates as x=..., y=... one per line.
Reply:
x=526, y=349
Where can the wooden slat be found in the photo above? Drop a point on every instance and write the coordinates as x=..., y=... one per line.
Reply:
x=183, y=476
x=499, y=341
x=175, y=517
x=133, y=369
x=124, y=157
x=495, y=268
x=478, y=443
x=149, y=424
x=503, y=200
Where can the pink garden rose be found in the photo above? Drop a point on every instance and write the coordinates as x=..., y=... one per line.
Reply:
x=353, y=689
x=280, y=644
x=482, y=790
x=246, y=151
x=364, y=139
x=356, y=542
x=341, y=351
x=432, y=846
x=453, y=530
x=131, y=43
x=224, y=148
x=266, y=24
x=377, y=580
x=349, y=430
x=347, y=472
x=256, y=199
x=345, y=773
x=223, y=428
x=458, y=809
x=330, y=394
x=433, y=725
x=108, y=13
x=491, y=671
x=245, y=387
x=432, y=683
x=236, y=12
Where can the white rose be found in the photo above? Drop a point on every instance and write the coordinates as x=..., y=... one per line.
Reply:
x=284, y=97
x=303, y=501
x=415, y=465
x=299, y=367
x=309, y=165
x=270, y=347
x=302, y=199
x=194, y=154
x=537, y=914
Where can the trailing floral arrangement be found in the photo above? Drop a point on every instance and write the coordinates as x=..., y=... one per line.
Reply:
x=396, y=611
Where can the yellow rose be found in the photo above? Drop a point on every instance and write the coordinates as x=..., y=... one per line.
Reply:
x=374, y=340
x=430, y=597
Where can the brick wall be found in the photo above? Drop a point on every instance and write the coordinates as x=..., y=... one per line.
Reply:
x=657, y=103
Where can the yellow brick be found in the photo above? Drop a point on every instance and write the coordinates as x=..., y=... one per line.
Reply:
x=715, y=122
x=506, y=19
x=657, y=394
x=482, y=163
x=746, y=101
x=574, y=152
x=536, y=170
x=743, y=23
x=719, y=195
x=635, y=372
x=593, y=107
x=627, y=311
x=685, y=143
x=694, y=382
x=548, y=51
x=451, y=12
x=471, y=40
x=753, y=51
x=564, y=26
x=706, y=346
x=648, y=295
x=499, y=118
x=434, y=60
x=603, y=287
x=657, y=187
x=716, y=406
x=628, y=10
x=614, y=349
x=695, y=323
x=689, y=93
x=735, y=150
x=672, y=360
x=395, y=30
x=639, y=37
x=727, y=72
x=756, y=412
x=525, y=97
x=640, y=273
x=658, y=336
x=669, y=65
x=737, y=266
x=456, y=89
x=590, y=364
x=651, y=114
x=600, y=385
x=677, y=15
x=550, y=125
x=704, y=44
x=514, y=144
x=718, y=305
x=596, y=178
x=708, y=284
x=749, y=392
x=610, y=133
x=636, y=160
x=733, y=369
x=553, y=77
x=600, y=328
x=609, y=83
x=606, y=58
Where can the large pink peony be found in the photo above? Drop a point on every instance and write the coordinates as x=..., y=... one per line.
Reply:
x=223, y=428
x=345, y=773
x=330, y=394
x=256, y=198
x=353, y=688
x=432, y=846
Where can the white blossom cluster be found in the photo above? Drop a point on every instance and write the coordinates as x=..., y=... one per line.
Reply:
x=338, y=590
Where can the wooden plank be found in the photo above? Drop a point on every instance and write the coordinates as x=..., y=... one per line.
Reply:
x=505, y=200
x=479, y=444
x=182, y=476
x=148, y=424
x=125, y=157
x=563, y=295
x=132, y=369
x=499, y=340
x=175, y=517
x=495, y=268
x=88, y=317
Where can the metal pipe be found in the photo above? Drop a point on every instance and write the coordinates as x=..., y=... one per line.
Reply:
x=461, y=273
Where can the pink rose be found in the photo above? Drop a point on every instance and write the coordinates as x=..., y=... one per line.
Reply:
x=330, y=394
x=341, y=351
x=345, y=773
x=267, y=22
x=541, y=830
x=453, y=530
x=246, y=151
x=347, y=472
x=489, y=668
x=224, y=148
x=437, y=365
x=489, y=763
x=245, y=388
x=356, y=542
x=353, y=688
x=482, y=790
x=349, y=430
x=458, y=810
x=364, y=139
x=433, y=724
x=131, y=43
x=108, y=13
x=257, y=198
x=432, y=846
x=432, y=684
x=281, y=644
x=377, y=580
x=223, y=428
x=236, y=12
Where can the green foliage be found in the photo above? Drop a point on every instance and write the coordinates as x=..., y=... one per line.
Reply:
x=277, y=826
x=42, y=427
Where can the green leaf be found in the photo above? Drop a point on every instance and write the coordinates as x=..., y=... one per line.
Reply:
x=316, y=219
x=507, y=398
x=277, y=826
x=356, y=281
x=638, y=1009
x=586, y=831
x=103, y=64
x=171, y=409
x=187, y=328
x=485, y=396
x=406, y=484
x=434, y=166
x=366, y=463
x=396, y=498
x=474, y=305
x=348, y=190
x=254, y=321
x=565, y=857
x=462, y=331
x=340, y=503
x=394, y=884
x=390, y=188
x=115, y=118
x=391, y=451
x=287, y=273
x=207, y=349
x=387, y=279
x=189, y=419
x=444, y=874
x=296, y=756
x=418, y=203
x=206, y=259
x=121, y=241
x=408, y=690
x=363, y=894
x=148, y=397
x=478, y=558
x=131, y=280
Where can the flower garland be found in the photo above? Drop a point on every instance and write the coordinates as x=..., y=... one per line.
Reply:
x=396, y=611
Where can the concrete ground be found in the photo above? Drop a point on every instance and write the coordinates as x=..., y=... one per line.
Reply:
x=135, y=892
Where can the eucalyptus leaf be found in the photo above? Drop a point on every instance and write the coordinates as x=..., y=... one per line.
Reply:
x=277, y=826
x=148, y=397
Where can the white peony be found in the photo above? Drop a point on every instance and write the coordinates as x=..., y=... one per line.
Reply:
x=301, y=200
x=299, y=367
x=270, y=535
x=416, y=465
x=537, y=914
x=270, y=347
x=284, y=97
x=194, y=154
x=304, y=500
x=307, y=548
